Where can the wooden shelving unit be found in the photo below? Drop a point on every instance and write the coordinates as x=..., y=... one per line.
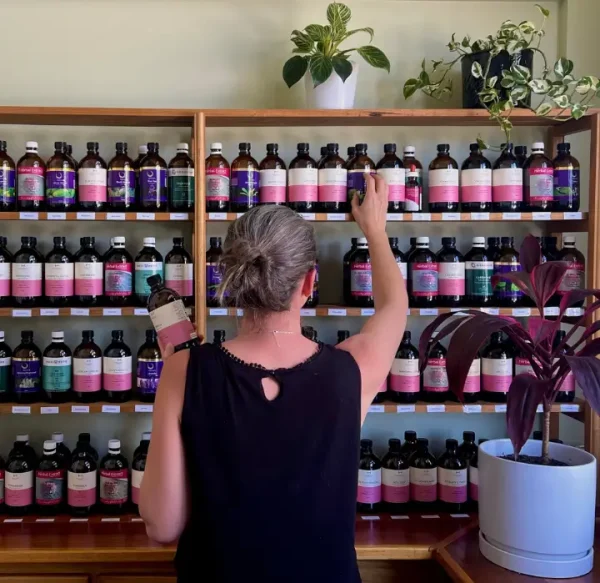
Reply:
x=74, y=312
x=87, y=216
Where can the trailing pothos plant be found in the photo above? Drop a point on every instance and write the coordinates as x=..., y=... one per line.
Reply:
x=540, y=281
x=556, y=85
x=318, y=49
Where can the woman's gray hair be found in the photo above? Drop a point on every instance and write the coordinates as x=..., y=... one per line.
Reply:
x=267, y=252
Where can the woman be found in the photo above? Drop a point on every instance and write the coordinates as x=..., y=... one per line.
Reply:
x=254, y=451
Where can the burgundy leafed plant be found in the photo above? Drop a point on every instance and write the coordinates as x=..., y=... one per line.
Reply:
x=540, y=281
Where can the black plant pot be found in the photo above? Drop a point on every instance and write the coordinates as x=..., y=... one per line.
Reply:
x=500, y=62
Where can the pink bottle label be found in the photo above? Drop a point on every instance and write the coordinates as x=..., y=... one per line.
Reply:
x=496, y=384
x=423, y=493
x=19, y=497
x=184, y=287
x=117, y=373
x=178, y=333
x=452, y=485
x=451, y=279
x=59, y=288
x=19, y=488
x=89, y=279
x=79, y=498
x=568, y=384
x=476, y=193
x=27, y=288
x=396, y=193
x=274, y=194
x=92, y=193
x=303, y=193
x=117, y=382
x=396, y=495
x=443, y=185
x=405, y=384
x=508, y=193
x=369, y=486
x=539, y=185
x=87, y=383
x=396, y=486
x=413, y=198
x=443, y=194
x=332, y=193
x=4, y=287
x=473, y=382
x=272, y=186
x=82, y=489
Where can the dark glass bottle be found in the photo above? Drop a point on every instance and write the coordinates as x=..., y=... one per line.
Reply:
x=476, y=182
x=361, y=281
x=346, y=271
x=5, y=370
x=6, y=260
x=117, y=370
x=342, y=335
x=451, y=274
x=472, y=386
x=574, y=278
x=566, y=180
x=82, y=489
x=137, y=165
x=218, y=337
x=179, y=272
x=31, y=174
x=452, y=479
x=92, y=179
x=507, y=293
x=2, y=472
x=181, y=180
x=497, y=367
x=138, y=467
x=538, y=179
x=467, y=450
x=410, y=444
x=399, y=257
x=351, y=153
x=19, y=480
x=521, y=155
x=214, y=275
x=148, y=262
x=369, y=479
x=244, y=180
x=395, y=478
x=118, y=274
x=323, y=152
x=507, y=182
x=309, y=332
x=57, y=366
x=479, y=269
x=436, y=388
x=62, y=451
x=414, y=181
x=149, y=367
x=8, y=198
x=443, y=182
x=27, y=269
x=114, y=480
x=405, y=379
x=218, y=177
x=59, y=275
x=30, y=452
x=423, y=476
x=493, y=248
x=273, y=178
x=169, y=317
x=333, y=182
x=566, y=394
x=303, y=181
x=391, y=168
x=121, y=180
x=89, y=273
x=153, y=181
x=50, y=481
x=87, y=369
x=313, y=300
x=75, y=164
x=423, y=274
x=27, y=370
x=474, y=478
x=60, y=180
x=360, y=164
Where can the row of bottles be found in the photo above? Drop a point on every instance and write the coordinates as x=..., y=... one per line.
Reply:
x=77, y=482
x=87, y=278
x=63, y=184
x=514, y=182
x=86, y=374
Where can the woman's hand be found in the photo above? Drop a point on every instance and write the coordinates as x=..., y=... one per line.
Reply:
x=168, y=350
x=371, y=215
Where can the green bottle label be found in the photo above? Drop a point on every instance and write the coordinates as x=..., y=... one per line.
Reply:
x=143, y=270
x=479, y=278
x=181, y=185
x=5, y=374
x=56, y=374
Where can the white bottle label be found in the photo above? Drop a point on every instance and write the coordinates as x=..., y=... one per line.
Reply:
x=92, y=177
x=333, y=184
x=395, y=178
x=117, y=366
x=183, y=172
x=87, y=366
x=423, y=484
x=26, y=271
x=369, y=486
x=172, y=324
x=274, y=177
x=396, y=486
x=497, y=374
x=473, y=381
x=404, y=376
x=452, y=485
x=136, y=478
x=303, y=177
x=443, y=185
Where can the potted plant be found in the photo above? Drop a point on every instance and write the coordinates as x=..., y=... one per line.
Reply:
x=330, y=75
x=536, y=498
x=497, y=74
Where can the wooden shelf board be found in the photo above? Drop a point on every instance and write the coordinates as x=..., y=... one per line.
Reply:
x=74, y=312
x=575, y=407
x=87, y=216
x=75, y=408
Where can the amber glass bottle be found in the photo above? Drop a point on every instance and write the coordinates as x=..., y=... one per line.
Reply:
x=538, y=176
x=31, y=172
x=121, y=180
x=7, y=180
x=476, y=182
x=92, y=175
x=218, y=176
x=360, y=164
x=181, y=180
x=443, y=182
x=244, y=180
x=273, y=178
x=333, y=182
x=60, y=180
x=153, y=181
x=303, y=179
x=391, y=168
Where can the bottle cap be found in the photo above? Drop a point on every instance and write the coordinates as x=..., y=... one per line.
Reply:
x=116, y=334
x=407, y=335
x=23, y=437
x=389, y=148
x=152, y=146
x=361, y=147
x=362, y=241
x=537, y=146
x=92, y=146
x=121, y=146
x=182, y=147
x=146, y=435
x=366, y=443
x=333, y=147
x=443, y=147
x=272, y=146
x=303, y=147
x=410, y=435
x=216, y=146
x=88, y=333
x=507, y=241
x=155, y=279
x=422, y=442
x=58, y=437
x=422, y=241
x=448, y=240
x=474, y=147
x=84, y=437
x=58, y=336
x=28, y=241
x=469, y=435
x=118, y=240
x=521, y=150
x=31, y=145
x=61, y=146
x=143, y=150
x=178, y=241
x=1, y=335
x=149, y=242
x=478, y=240
x=215, y=241
x=569, y=240
x=351, y=150
x=49, y=446
x=58, y=241
x=409, y=150
x=451, y=443
x=114, y=445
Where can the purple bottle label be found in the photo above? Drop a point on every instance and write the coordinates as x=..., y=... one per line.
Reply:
x=566, y=185
x=7, y=185
x=244, y=186
x=148, y=375
x=214, y=277
x=121, y=185
x=60, y=186
x=27, y=374
x=153, y=185
x=504, y=287
x=356, y=184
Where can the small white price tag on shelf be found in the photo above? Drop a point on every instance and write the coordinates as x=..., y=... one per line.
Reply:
x=45, y=519
x=110, y=519
x=21, y=313
x=404, y=517
x=78, y=519
x=29, y=216
x=80, y=408
x=521, y=312
x=480, y=216
x=111, y=312
x=540, y=408
x=471, y=408
x=405, y=409
x=49, y=410
x=239, y=215
x=86, y=216
x=428, y=516
x=217, y=312
x=369, y=517
x=217, y=216
x=49, y=312
x=56, y=216
x=436, y=408
x=511, y=216
x=111, y=408
x=450, y=216
x=573, y=312
x=428, y=312
x=308, y=216
x=80, y=311
x=552, y=311
x=144, y=408
x=12, y=520
x=140, y=312
x=239, y=312
x=421, y=216
x=306, y=312
x=376, y=409
x=145, y=217
x=500, y=408
x=541, y=216
x=572, y=216
x=21, y=410
x=115, y=216
x=178, y=216
x=137, y=519
x=336, y=312
x=569, y=408
x=491, y=311
x=367, y=311
x=459, y=516
x=395, y=217
x=336, y=217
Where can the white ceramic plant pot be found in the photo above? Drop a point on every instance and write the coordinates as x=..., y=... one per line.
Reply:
x=333, y=93
x=537, y=520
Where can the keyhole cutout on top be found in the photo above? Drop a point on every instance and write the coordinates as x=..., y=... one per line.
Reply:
x=271, y=388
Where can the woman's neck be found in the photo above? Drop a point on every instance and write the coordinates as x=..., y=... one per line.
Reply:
x=259, y=325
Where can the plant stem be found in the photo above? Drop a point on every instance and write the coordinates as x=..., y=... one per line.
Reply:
x=546, y=435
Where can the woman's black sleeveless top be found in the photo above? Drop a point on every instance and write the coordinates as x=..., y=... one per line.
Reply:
x=273, y=483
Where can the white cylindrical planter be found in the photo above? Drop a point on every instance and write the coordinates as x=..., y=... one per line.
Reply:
x=333, y=93
x=537, y=520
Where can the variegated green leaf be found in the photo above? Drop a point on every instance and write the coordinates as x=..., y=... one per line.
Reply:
x=563, y=67
x=316, y=32
x=583, y=86
x=367, y=29
x=294, y=69
x=410, y=87
x=539, y=85
x=519, y=92
x=375, y=57
x=320, y=69
x=343, y=67
x=526, y=27
x=338, y=15
x=543, y=10
x=561, y=101
x=543, y=109
x=476, y=70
